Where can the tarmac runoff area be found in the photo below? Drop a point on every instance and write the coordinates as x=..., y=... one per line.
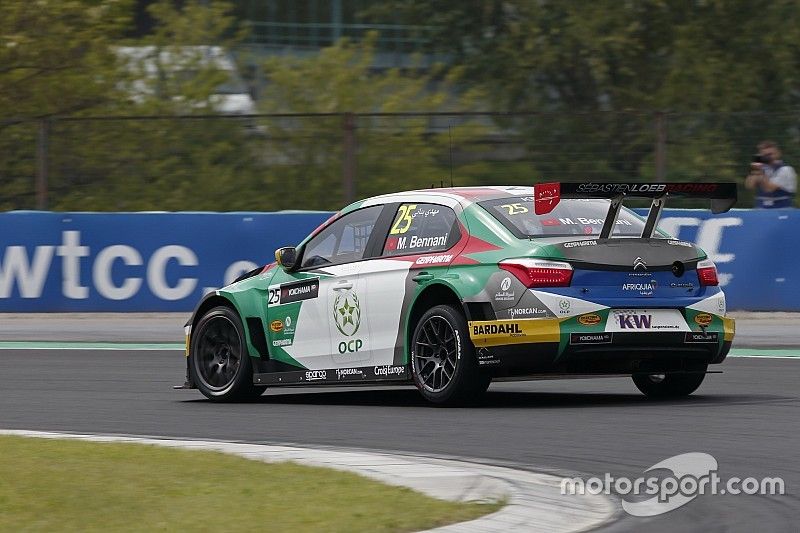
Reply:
x=750, y=412
x=533, y=501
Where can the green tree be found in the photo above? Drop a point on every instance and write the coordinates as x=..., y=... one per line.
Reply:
x=616, y=61
x=392, y=152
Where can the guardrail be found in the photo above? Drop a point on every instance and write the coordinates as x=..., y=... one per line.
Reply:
x=126, y=262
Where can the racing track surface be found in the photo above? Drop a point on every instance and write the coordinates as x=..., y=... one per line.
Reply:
x=748, y=418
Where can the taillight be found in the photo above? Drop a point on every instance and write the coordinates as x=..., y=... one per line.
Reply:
x=707, y=273
x=539, y=273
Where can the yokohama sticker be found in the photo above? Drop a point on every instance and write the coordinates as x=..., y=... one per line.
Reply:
x=301, y=290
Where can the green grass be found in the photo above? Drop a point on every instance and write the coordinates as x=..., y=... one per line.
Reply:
x=64, y=485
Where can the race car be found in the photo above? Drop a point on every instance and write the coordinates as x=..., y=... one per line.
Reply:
x=452, y=288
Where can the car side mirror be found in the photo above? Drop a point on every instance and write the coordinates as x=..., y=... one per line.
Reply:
x=286, y=257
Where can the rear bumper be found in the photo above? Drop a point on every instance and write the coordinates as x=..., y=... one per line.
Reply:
x=565, y=346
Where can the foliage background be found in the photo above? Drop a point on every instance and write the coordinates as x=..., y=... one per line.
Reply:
x=570, y=90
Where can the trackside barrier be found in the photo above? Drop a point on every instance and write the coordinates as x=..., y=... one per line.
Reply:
x=125, y=262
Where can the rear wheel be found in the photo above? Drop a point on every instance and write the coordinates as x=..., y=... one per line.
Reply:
x=443, y=362
x=668, y=385
x=220, y=364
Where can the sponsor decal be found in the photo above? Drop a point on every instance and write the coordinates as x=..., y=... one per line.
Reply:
x=497, y=329
x=711, y=337
x=505, y=295
x=679, y=243
x=295, y=291
x=349, y=373
x=637, y=321
x=589, y=320
x=389, y=370
x=316, y=375
x=579, y=244
x=632, y=320
x=302, y=290
x=644, y=289
x=360, y=374
x=288, y=322
x=351, y=346
x=276, y=326
x=546, y=197
x=282, y=342
x=347, y=312
x=639, y=264
x=563, y=307
x=682, y=285
x=620, y=188
x=703, y=319
x=524, y=312
x=487, y=358
x=433, y=259
x=591, y=338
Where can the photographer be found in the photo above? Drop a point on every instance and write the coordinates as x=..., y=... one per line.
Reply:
x=775, y=182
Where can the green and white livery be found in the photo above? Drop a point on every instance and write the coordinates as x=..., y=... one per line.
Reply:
x=450, y=289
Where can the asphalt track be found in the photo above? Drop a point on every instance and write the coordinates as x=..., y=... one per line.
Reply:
x=748, y=417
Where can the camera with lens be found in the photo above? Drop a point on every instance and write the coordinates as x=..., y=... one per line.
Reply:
x=758, y=158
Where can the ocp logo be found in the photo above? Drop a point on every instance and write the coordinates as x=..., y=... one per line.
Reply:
x=351, y=346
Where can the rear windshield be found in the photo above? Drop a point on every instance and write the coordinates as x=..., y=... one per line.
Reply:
x=570, y=217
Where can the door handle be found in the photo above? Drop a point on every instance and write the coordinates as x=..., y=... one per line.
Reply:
x=342, y=286
x=422, y=277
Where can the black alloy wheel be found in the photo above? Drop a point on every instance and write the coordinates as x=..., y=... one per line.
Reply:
x=220, y=365
x=443, y=363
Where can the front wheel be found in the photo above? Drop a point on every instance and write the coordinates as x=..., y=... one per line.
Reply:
x=220, y=364
x=668, y=385
x=443, y=362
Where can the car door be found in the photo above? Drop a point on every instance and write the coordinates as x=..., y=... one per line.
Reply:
x=319, y=310
x=421, y=239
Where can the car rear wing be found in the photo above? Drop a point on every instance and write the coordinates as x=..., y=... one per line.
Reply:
x=547, y=196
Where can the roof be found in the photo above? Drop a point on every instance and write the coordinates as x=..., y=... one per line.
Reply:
x=462, y=195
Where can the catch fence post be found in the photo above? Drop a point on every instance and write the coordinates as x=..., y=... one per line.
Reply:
x=42, y=138
x=349, y=157
x=661, y=145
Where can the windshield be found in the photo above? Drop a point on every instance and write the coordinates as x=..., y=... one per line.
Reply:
x=570, y=217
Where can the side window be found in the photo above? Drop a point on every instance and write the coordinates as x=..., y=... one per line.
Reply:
x=343, y=241
x=421, y=229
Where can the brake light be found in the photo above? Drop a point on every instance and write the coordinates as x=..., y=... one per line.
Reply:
x=707, y=273
x=539, y=273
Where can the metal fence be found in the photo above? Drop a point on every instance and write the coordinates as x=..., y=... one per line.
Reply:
x=321, y=161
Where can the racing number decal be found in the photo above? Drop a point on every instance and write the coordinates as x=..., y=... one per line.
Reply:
x=514, y=209
x=404, y=219
x=274, y=296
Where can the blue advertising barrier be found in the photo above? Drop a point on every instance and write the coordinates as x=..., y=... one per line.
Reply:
x=123, y=262
x=134, y=261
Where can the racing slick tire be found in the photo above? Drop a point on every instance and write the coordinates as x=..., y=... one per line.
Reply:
x=669, y=385
x=443, y=363
x=220, y=365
